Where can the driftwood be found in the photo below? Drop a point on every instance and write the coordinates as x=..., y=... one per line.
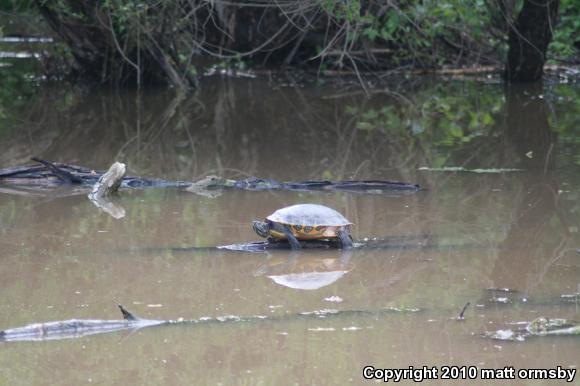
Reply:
x=44, y=175
x=77, y=328
x=108, y=185
x=38, y=177
x=539, y=327
x=109, y=182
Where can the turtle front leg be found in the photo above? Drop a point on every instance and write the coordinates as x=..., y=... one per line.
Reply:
x=345, y=240
x=294, y=243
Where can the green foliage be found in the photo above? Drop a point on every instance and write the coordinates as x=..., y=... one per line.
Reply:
x=343, y=10
x=134, y=36
x=434, y=33
x=428, y=32
x=567, y=32
x=15, y=5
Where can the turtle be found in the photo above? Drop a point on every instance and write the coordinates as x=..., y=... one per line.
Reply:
x=305, y=222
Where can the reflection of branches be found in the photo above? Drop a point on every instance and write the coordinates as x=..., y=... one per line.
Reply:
x=296, y=135
x=539, y=205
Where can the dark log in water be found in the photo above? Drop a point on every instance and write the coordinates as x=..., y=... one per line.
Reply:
x=421, y=241
x=58, y=174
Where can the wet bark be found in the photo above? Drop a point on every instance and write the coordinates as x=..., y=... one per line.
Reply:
x=529, y=37
x=108, y=185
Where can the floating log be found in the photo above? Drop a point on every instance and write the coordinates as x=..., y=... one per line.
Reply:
x=77, y=328
x=44, y=175
x=58, y=174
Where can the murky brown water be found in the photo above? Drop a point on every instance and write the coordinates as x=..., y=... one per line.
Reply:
x=62, y=258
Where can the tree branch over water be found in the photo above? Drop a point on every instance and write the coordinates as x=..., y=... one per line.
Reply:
x=169, y=42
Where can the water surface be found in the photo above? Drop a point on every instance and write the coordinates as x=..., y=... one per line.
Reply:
x=62, y=258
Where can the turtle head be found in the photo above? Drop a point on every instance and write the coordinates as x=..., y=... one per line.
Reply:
x=261, y=228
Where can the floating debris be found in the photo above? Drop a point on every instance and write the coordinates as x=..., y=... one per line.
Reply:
x=508, y=290
x=571, y=298
x=352, y=328
x=321, y=313
x=462, y=169
x=501, y=300
x=403, y=309
x=538, y=327
x=317, y=329
x=462, y=313
x=505, y=335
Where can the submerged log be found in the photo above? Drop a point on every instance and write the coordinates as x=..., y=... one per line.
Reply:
x=77, y=328
x=395, y=242
x=57, y=174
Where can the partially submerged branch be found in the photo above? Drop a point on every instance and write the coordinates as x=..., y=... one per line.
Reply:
x=106, y=186
x=109, y=182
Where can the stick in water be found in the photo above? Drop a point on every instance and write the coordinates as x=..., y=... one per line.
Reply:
x=109, y=182
x=63, y=175
x=461, y=314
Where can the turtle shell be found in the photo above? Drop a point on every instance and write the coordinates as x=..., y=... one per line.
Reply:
x=309, y=221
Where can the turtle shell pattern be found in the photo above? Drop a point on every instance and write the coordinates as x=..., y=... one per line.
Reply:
x=309, y=221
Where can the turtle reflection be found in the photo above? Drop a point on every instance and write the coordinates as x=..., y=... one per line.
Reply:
x=306, y=272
